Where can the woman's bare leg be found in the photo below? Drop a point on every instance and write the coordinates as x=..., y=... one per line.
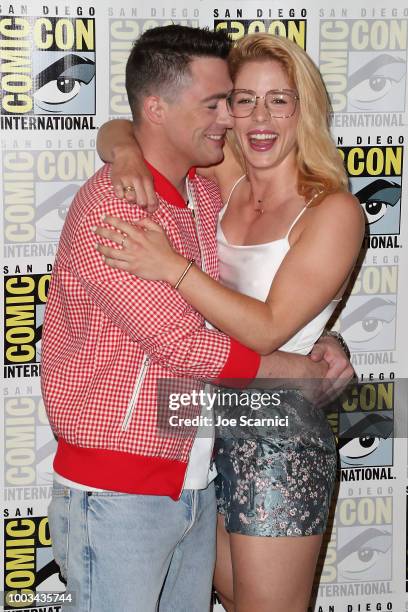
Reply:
x=273, y=574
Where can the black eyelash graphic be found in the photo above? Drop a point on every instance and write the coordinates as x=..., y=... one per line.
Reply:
x=46, y=571
x=371, y=425
x=359, y=313
x=380, y=189
x=366, y=71
x=69, y=66
x=383, y=543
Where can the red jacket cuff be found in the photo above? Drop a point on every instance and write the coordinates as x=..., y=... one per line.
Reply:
x=242, y=362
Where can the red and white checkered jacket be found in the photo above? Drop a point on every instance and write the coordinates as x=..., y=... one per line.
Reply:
x=109, y=336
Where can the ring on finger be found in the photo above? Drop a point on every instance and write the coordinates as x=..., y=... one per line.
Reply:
x=129, y=188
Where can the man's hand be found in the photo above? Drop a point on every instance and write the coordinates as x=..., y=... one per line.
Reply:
x=339, y=372
x=290, y=371
x=281, y=365
x=327, y=368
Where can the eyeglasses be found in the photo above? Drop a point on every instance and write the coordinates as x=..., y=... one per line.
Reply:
x=281, y=103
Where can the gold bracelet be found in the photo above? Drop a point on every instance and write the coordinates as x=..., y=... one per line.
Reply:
x=190, y=263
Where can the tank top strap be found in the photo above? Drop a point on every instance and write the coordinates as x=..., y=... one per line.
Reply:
x=292, y=225
x=237, y=182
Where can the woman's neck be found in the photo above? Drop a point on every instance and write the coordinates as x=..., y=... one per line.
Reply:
x=273, y=185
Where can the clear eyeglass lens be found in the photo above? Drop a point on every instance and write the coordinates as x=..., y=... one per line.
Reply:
x=280, y=105
x=242, y=104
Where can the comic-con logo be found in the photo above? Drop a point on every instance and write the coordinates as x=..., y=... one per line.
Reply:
x=360, y=547
x=366, y=425
x=28, y=442
x=376, y=180
x=25, y=297
x=294, y=29
x=38, y=187
x=122, y=34
x=29, y=566
x=48, y=66
x=368, y=321
x=363, y=63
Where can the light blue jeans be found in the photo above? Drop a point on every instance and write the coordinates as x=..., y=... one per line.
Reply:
x=136, y=553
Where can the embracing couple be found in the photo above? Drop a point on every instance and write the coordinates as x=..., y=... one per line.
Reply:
x=202, y=257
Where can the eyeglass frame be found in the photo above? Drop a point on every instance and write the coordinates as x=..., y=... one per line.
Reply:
x=289, y=92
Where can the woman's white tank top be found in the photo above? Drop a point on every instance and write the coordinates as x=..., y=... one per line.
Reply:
x=250, y=269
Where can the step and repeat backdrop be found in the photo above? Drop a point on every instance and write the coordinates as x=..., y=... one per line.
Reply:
x=49, y=118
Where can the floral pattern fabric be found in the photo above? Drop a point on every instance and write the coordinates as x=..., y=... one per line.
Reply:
x=277, y=484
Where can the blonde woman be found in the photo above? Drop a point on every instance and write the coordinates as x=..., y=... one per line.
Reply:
x=288, y=238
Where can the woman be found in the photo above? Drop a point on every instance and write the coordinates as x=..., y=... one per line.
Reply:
x=288, y=236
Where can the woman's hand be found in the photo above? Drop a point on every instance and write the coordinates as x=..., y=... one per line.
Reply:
x=131, y=179
x=144, y=250
x=116, y=143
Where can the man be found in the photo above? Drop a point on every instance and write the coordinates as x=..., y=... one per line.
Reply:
x=133, y=512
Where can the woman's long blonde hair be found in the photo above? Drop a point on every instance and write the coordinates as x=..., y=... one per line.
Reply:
x=319, y=163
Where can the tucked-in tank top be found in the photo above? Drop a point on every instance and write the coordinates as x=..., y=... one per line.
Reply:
x=250, y=269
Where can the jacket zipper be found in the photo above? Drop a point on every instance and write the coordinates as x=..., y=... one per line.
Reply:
x=136, y=393
x=191, y=199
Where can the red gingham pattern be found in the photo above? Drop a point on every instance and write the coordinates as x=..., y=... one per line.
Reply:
x=100, y=323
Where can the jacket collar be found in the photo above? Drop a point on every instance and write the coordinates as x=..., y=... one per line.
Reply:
x=167, y=190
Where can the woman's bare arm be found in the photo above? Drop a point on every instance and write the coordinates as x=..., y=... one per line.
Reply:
x=114, y=135
x=311, y=275
x=116, y=143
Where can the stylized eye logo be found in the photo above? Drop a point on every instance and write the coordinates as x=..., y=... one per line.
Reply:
x=61, y=82
x=65, y=85
x=364, y=554
x=360, y=440
x=367, y=321
x=370, y=90
x=51, y=213
x=377, y=197
x=374, y=210
x=58, y=91
x=361, y=447
x=375, y=81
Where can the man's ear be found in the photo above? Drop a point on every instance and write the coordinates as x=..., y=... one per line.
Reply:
x=154, y=108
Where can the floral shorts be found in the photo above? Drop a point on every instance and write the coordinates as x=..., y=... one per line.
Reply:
x=278, y=485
